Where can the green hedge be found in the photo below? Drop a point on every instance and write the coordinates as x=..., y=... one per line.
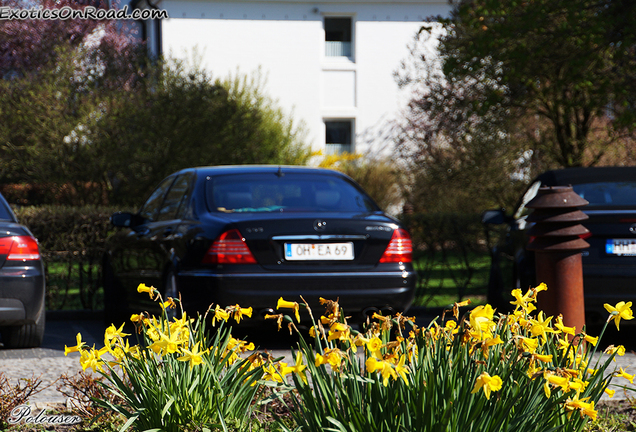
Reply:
x=450, y=252
x=72, y=241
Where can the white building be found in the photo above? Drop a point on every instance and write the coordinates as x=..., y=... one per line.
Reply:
x=328, y=63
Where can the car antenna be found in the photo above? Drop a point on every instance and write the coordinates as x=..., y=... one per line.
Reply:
x=280, y=172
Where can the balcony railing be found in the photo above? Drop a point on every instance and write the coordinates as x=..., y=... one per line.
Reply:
x=333, y=149
x=337, y=49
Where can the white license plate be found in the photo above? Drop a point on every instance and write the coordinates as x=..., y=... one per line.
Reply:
x=620, y=246
x=319, y=251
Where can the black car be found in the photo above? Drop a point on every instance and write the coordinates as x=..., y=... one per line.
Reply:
x=249, y=235
x=609, y=264
x=22, y=283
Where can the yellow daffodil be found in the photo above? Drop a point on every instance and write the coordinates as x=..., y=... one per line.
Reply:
x=621, y=310
x=136, y=318
x=76, y=348
x=487, y=383
x=584, y=408
x=610, y=392
x=219, y=314
x=142, y=288
x=523, y=301
x=622, y=373
x=540, y=326
x=590, y=339
x=402, y=370
x=92, y=358
x=112, y=332
x=239, y=312
x=283, y=304
x=193, y=356
x=339, y=331
x=456, y=307
x=554, y=380
x=558, y=323
x=487, y=343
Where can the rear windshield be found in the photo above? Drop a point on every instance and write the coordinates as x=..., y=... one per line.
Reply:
x=5, y=212
x=608, y=193
x=291, y=192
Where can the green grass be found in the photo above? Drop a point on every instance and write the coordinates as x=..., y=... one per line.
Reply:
x=447, y=277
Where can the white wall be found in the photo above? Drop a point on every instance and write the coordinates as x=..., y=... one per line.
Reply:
x=286, y=40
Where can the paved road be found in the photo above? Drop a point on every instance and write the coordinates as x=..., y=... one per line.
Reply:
x=48, y=362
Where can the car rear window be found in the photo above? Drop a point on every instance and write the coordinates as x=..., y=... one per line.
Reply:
x=606, y=194
x=291, y=192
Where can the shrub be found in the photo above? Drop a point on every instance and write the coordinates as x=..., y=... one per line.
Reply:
x=72, y=242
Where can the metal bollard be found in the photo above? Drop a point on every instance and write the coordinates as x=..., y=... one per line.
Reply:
x=556, y=239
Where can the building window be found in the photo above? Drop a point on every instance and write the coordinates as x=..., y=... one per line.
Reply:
x=339, y=134
x=338, y=37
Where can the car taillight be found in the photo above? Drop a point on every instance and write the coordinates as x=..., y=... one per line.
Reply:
x=400, y=248
x=229, y=248
x=19, y=248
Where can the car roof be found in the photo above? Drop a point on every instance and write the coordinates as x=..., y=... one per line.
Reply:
x=256, y=169
x=569, y=176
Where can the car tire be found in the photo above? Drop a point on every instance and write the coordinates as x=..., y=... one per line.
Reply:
x=114, y=297
x=27, y=335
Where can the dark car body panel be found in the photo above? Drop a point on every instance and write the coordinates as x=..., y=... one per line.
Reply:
x=607, y=278
x=22, y=283
x=146, y=251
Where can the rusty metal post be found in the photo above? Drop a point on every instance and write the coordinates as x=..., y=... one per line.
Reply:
x=556, y=239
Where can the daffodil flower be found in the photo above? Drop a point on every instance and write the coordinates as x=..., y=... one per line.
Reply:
x=219, y=314
x=621, y=310
x=283, y=304
x=75, y=348
x=112, y=332
x=193, y=356
x=487, y=383
x=239, y=312
x=558, y=323
x=622, y=373
x=585, y=408
x=402, y=370
x=142, y=288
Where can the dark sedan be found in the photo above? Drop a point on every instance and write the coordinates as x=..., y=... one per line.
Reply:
x=22, y=284
x=609, y=264
x=249, y=235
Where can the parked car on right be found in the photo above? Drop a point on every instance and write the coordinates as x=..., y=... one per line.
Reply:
x=609, y=264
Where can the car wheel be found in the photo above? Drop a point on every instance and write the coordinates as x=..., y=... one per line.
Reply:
x=170, y=289
x=114, y=297
x=27, y=335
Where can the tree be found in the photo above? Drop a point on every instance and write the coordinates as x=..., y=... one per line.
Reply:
x=185, y=118
x=458, y=160
x=565, y=68
x=91, y=114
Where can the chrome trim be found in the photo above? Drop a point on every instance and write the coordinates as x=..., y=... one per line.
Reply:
x=602, y=212
x=200, y=273
x=320, y=237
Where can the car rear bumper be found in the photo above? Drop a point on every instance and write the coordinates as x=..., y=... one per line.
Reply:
x=355, y=291
x=21, y=294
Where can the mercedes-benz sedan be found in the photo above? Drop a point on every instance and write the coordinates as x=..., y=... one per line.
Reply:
x=249, y=235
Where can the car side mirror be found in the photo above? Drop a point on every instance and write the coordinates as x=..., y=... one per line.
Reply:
x=125, y=220
x=494, y=217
